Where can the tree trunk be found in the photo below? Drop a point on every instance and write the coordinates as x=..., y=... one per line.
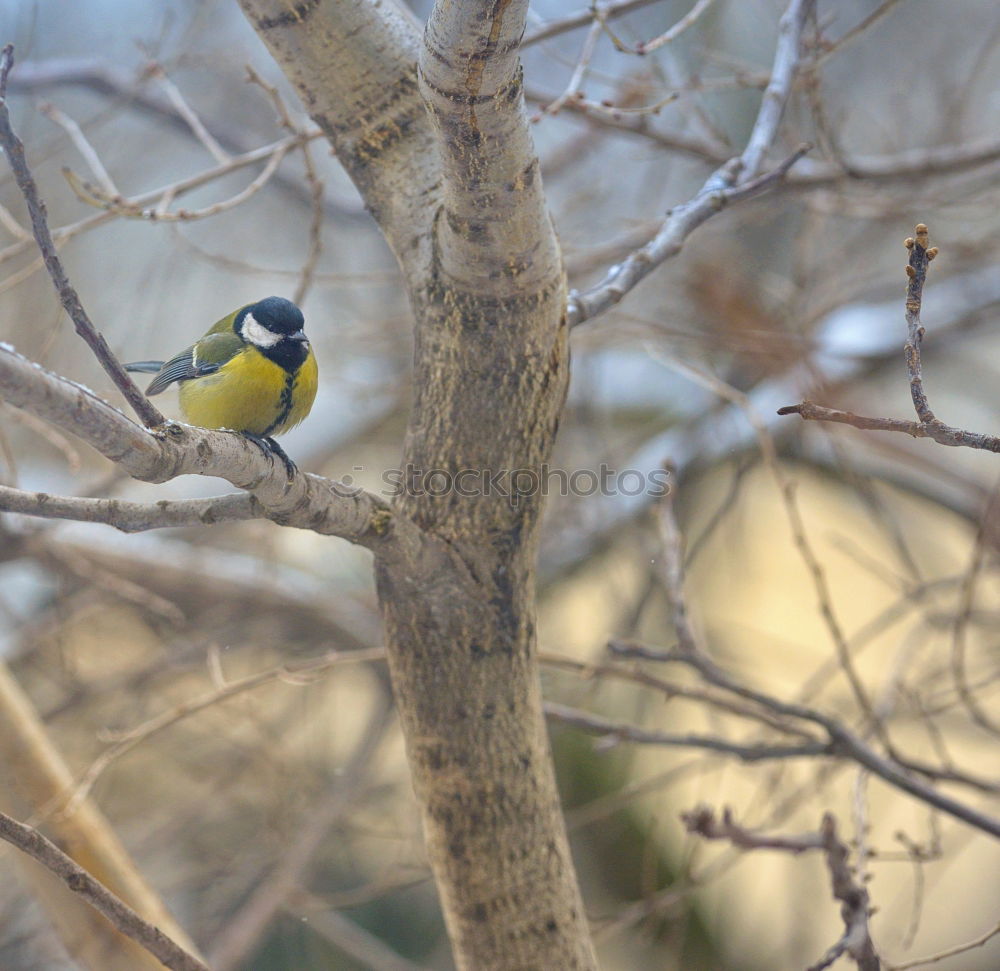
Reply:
x=447, y=167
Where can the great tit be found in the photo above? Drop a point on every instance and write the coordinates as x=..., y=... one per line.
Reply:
x=254, y=372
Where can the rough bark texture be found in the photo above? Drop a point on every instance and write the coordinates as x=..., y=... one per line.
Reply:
x=448, y=169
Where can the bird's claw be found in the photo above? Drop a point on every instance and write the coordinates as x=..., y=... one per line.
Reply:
x=273, y=450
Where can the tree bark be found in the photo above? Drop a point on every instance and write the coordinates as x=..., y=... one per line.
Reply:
x=448, y=169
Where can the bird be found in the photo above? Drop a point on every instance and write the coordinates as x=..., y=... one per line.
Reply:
x=253, y=372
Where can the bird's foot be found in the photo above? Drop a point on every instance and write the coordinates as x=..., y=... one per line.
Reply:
x=272, y=449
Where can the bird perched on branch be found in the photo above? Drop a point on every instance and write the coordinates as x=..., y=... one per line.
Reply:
x=254, y=373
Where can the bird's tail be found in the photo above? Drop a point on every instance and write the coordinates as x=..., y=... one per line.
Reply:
x=147, y=367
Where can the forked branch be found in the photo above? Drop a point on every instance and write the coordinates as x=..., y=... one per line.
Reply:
x=927, y=424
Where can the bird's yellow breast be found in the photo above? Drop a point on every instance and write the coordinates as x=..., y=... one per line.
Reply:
x=250, y=393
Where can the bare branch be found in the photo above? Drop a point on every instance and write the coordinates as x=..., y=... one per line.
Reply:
x=947, y=953
x=132, y=517
x=123, y=917
x=916, y=270
x=717, y=192
x=186, y=112
x=928, y=425
x=786, y=61
x=295, y=672
x=855, y=902
x=669, y=35
x=938, y=431
x=83, y=146
x=844, y=743
x=703, y=821
x=611, y=731
x=14, y=151
x=721, y=187
x=581, y=18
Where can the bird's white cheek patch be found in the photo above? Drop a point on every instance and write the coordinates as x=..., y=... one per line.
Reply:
x=258, y=335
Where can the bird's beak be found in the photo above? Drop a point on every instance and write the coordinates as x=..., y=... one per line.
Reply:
x=299, y=336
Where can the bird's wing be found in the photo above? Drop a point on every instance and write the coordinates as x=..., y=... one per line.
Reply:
x=205, y=357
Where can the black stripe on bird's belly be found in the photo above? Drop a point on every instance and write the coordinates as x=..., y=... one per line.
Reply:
x=284, y=406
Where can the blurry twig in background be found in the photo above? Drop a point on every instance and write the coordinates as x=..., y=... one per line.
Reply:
x=237, y=939
x=947, y=953
x=843, y=742
x=124, y=918
x=316, y=187
x=290, y=671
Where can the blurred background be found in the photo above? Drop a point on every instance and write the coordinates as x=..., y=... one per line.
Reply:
x=275, y=818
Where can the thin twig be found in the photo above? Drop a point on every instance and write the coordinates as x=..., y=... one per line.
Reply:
x=722, y=187
x=854, y=899
x=669, y=35
x=949, y=952
x=161, y=212
x=169, y=192
x=612, y=732
x=939, y=432
x=786, y=490
x=581, y=18
x=845, y=743
x=916, y=270
x=576, y=80
x=786, y=61
x=82, y=145
x=717, y=192
x=186, y=112
x=123, y=917
x=293, y=672
x=14, y=150
x=316, y=187
x=12, y=226
x=928, y=426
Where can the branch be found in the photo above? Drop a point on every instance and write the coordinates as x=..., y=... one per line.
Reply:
x=354, y=65
x=300, y=671
x=855, y=902
x=948, y=952
x=307, y=501
x=14, y=150
x=132, y=517
x=927, y=426
x=736, y=179
x=123, y=917
x=938, y=431
x=494, y=213
x=843, y=742
x=779, y=88
x=916, y=270
x=582, y=18
x=619, y=731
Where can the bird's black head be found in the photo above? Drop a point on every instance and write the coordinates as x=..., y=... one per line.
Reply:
x=274, y=326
